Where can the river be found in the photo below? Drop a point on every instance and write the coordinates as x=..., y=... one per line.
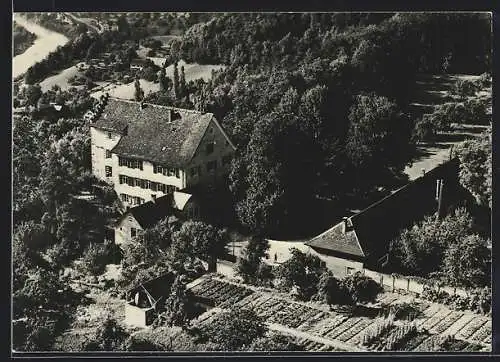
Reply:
x=47, y=41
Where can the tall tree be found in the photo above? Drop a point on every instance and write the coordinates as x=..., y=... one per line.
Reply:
x=379, y=139
x=138, y=93
x=176, y=81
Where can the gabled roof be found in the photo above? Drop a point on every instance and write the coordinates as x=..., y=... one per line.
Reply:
x=155, y=288
x=335, y=239
x=370, y=231
x=150, y=213
x=181, y=199
x=148, y=133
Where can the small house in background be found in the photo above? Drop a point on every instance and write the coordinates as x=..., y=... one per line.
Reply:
x=179, y=204
x=145, y=300
x=138, y=63
x=362, y=240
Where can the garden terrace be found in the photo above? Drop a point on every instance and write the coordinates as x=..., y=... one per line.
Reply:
x=320, y=327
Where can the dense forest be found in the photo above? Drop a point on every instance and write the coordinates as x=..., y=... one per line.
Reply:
x=22, y=39
x=318, y=104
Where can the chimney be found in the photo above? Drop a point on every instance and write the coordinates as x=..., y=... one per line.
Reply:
x=346, y=226
x=423, y=171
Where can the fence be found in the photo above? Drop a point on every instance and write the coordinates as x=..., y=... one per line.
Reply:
x=401, y=284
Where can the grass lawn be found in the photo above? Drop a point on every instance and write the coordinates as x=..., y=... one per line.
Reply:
x=60, y=79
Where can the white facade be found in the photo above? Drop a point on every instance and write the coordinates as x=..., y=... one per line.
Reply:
x=135, y=186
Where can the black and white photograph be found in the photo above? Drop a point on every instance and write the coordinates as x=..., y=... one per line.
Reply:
x=234, y=182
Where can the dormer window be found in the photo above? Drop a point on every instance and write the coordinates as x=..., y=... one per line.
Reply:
x=110, y=136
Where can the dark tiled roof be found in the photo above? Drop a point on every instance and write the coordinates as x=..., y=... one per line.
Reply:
x=374, y=227
x=149, y=134
x=149, y=213
x=336, y=240
x=157, y=287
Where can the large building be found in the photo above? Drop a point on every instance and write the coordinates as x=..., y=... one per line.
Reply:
x=362, y=240
x=147, y=151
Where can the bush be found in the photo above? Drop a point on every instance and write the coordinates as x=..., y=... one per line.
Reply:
x=464, y=88
x=95, y=258
x=479, y=300
x=362, y=289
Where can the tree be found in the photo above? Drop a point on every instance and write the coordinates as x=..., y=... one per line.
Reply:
x=301, y=271
x=476, y=167
x=466, y=263
x=274, y=342
x=95, y=258
x=164, y=81
x=419, y=250
x=378, y=140
x=360, y=288
x=330, y=290
x=249, y=267
x=134, y=344
x=236, y=329
x=176, y=81
x=182, y=83
x=196, y=239
x=138, y=93
x=32, y=94
x=110, y=336
x=177, y=305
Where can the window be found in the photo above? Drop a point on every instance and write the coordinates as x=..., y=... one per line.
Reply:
x=108, y=154
x=130, y=163
x=110, y=136
x=153, y=196
x=209, y=148
x=109, y=171
x=171, y=171
x=177, y=173
x=133, y=232
x=212, y=166
x=161, y=187
x=171, y=189
x=349, y=270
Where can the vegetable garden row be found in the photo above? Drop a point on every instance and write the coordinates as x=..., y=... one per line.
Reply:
x=426, y=333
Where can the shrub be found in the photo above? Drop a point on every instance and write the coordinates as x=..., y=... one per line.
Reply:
x=95, y=258
x=362, y=289
x=464, y=88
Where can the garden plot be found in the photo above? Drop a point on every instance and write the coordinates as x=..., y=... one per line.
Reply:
x=438, y=343
x=470, y=328
x=435, y=319
x=343, y=327
x=309, y=323
x=221, y=293
x=356, y=329
x=483, y=333
x=446, y=322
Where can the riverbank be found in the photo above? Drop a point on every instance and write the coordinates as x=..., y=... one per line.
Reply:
x=47, y=41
